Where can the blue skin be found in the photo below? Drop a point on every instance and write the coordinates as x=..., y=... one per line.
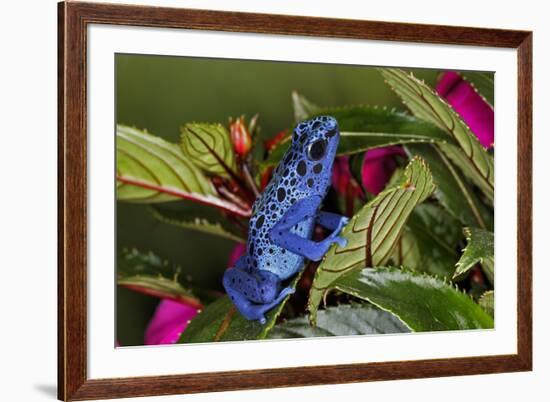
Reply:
x=283, y=219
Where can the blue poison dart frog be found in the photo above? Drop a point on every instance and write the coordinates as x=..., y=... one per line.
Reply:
x=283, y=219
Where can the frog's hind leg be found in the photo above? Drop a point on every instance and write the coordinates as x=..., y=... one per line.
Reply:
x=260, y=287
x=253, y=292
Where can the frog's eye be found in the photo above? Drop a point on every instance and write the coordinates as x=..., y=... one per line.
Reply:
x=317, y=150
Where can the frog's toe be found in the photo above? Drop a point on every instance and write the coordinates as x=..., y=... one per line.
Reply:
x=343, y=222
x=342, y=242
x=286, y=291
x=262, y=320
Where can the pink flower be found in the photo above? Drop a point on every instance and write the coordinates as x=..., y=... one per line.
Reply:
x=473, y=109
x=341, y=177
x=378, y=167
x=236, y=253
x=171, y=317
x=345, y=184
x=169, y=321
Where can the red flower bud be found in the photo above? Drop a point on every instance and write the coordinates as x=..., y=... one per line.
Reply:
x=240, y=137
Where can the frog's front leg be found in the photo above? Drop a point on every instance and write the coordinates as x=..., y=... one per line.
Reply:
x=304, y=209
x=253, y=292
x=334, y=222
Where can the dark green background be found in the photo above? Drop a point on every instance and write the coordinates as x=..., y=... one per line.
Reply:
x=161, y=93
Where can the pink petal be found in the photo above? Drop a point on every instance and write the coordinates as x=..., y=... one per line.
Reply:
x=169, y=321
x=375, y=174
x=378, y=167
x=477, y=114
x=341, y=175
x=236, y=253
x=446, y=83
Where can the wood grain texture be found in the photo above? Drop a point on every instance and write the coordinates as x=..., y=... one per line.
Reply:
x=296, y=25
x=72, y=230
x=73, y=383
x=524, y=201
x=300, y=376
x=60, y=202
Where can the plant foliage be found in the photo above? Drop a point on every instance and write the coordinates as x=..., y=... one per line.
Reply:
x=419, y=254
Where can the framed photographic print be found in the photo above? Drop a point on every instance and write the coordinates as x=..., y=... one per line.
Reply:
x=253, y=200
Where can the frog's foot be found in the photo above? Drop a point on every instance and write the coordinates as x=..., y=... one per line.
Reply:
x=323, y=246
x=342, y=242
x=338, y=229
x=253, y=292
x=264, y=308
x=332, y=221
x=343, y=222
x=335, y=237
x=255, y=311
x=284, y=293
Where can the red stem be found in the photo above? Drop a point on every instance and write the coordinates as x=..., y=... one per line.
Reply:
x=202, y=199
x=190, y=301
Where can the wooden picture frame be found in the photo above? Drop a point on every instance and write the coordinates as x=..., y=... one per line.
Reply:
x=73, y=381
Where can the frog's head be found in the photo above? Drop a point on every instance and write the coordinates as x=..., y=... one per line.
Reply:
x=314, y=144
x=317, y=139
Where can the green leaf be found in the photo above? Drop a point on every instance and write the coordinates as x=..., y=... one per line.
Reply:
x=364, y=127
x=463, y=162
x=429, y=242
x=209, y=147
x=487, y=302
x=488, y=268
x=150, y=169
x=453, y=191
x=396, y=177
x=424, y=103
x=373, y=232
x=200, y=221
x=480, y=249
x=220, y=321
x=422, y=302
x=483, y=83
x=302, y=107
x=149, y=274
x=354, y=319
